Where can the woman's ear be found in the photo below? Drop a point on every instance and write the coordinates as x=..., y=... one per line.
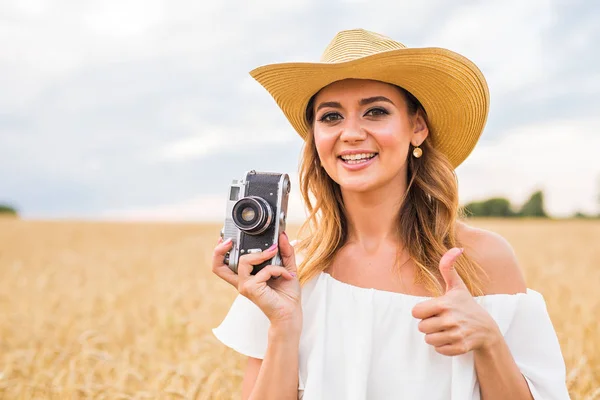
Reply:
x=420, y=129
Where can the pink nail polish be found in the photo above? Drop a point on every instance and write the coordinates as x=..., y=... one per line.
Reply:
x=273, y=247
x=227, y=241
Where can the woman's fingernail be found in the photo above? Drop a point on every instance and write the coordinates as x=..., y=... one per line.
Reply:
x=273, y=247
x=227, y=241
x=220, y=240
x=293, y=274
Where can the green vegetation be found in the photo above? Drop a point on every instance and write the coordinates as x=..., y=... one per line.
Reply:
x=495, y=207
x=501, y=207
x=534, y=207
x=7, y=210
x=582, y=215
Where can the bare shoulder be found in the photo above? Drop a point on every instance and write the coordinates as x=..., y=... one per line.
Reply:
x=497, y=258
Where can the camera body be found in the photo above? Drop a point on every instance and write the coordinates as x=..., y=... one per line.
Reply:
x=256, y=213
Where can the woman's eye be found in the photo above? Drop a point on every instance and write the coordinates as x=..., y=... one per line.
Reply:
x=377, y=111
x=330, y=117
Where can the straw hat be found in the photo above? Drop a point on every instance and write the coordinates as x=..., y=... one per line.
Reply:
x=450, y=87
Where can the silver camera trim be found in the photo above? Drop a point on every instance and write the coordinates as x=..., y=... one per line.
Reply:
x=279, y=219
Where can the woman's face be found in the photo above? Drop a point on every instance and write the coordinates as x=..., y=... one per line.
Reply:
x=362, y=133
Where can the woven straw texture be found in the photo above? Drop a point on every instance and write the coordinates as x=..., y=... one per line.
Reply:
x=450, y=87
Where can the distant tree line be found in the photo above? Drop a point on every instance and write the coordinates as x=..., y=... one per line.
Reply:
x=5, y=209
x=501, y=207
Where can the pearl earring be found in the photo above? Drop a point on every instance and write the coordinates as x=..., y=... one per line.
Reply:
x=417, y=152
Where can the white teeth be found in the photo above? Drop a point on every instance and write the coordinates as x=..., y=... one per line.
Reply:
x=364, y=160
x=361, y=156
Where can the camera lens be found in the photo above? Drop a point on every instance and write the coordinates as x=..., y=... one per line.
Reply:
x=252, y=215
x=248, y=214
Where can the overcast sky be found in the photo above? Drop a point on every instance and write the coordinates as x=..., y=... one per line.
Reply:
x=145, y=109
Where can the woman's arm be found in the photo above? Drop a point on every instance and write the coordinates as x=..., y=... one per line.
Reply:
x=497, y=372
x=498, y=375
x=278, y=375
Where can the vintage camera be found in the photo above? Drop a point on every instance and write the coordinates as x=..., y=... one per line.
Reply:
x=255, y=215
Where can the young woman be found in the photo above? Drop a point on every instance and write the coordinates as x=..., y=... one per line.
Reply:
x=394, y=298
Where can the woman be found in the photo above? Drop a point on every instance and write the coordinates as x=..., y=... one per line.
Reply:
x=395, y=298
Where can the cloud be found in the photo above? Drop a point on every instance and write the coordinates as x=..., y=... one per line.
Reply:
x=217, y=140
x=506, y=39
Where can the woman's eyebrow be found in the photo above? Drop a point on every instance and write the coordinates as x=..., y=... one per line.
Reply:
x=333, y=104
x=370, y=100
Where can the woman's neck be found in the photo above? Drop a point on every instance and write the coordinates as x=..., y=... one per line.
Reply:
x=373, y=216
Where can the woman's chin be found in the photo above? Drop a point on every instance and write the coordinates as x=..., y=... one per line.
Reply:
x=357, y=185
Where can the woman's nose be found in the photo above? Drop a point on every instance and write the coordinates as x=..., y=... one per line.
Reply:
x=352, y=131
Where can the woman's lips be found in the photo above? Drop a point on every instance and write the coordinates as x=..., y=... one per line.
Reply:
x=358, y=165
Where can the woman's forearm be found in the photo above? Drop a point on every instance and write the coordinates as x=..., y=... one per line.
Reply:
x=278, y=376
x=498, y=375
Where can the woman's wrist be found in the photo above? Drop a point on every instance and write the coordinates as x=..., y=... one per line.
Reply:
x=289, y=328
x=492, y=339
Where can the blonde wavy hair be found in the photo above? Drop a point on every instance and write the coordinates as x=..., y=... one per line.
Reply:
x=429, y=213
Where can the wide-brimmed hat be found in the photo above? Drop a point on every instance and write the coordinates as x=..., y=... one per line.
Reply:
x=450, y=87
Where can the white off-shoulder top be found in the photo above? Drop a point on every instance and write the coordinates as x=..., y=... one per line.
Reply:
x=364, y=344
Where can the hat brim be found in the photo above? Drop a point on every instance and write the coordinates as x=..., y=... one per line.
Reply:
x=450, y=87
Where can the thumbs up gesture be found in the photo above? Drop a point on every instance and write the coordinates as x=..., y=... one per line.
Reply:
x=455, y=323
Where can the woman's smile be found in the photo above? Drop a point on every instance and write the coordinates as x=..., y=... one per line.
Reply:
x=356, y=161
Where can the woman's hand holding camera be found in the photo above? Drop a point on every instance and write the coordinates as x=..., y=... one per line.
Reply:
x=279, y=299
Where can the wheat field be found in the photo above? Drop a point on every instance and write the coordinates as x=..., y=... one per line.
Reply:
x=124, y=310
